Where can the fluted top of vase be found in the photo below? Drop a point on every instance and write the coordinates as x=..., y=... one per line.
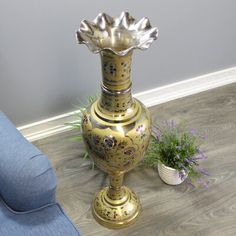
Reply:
x=119, y=35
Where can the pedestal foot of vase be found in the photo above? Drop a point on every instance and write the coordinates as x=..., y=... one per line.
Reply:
x=117, y=213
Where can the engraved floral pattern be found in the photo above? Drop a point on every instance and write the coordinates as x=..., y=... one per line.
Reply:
x=129, y=151
x=109, y=68
x=109, y=142
x=96, y=139
x=109, y=212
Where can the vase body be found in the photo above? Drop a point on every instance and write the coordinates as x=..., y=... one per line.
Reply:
x=116, y=131
x=170, y=176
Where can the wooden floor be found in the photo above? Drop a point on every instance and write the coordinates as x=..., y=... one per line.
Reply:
x=167, y=210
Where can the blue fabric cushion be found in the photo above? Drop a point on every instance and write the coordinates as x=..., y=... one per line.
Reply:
x=48, y=221
x=27, y=179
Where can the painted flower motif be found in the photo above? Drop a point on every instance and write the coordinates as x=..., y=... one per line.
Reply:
x=105, y=103
x=85, y=119
x=126, y=67
x=140, y=128
x=119, y=35
x=127, y=163
x=143, y=135
x=96, y=139
x=129, y=151
x=122, y=145
x=109, y=142
x=109, y=68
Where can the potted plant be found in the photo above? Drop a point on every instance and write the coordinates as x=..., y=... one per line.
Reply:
x=176, y=152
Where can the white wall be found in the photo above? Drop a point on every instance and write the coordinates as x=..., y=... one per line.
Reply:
x=43, y=71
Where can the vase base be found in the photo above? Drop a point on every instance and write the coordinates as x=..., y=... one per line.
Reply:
x=116, y=214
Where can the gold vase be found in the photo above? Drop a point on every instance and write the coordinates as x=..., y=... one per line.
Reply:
x=116, y=127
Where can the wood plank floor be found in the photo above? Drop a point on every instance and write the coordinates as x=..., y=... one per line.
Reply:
x=167, y=210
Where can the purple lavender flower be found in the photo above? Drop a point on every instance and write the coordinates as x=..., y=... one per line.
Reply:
x=181, y=175
x=193, y=159
x=172, y=123
x=169, y=124
x=183, y=167
x=178, y=147
x=188, y=160
x=203, y=171
x=177, y=156
x=202, y=137
x=201, y=181
x=158, y=136
x=157, y=133
x=202, y=155
x=193, y=131
x=164, y=122
x=189, y=182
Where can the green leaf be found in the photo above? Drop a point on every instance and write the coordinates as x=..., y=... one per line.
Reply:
x=77, y=138
x=93, y=165
x=85, y=156
x=73, y=125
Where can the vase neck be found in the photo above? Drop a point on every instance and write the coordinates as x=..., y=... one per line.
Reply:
x=116, y=84
x=116, y=71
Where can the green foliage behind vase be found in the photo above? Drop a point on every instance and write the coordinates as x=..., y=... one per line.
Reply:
x=76, y=125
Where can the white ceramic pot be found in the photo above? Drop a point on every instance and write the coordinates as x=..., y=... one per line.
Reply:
x=170, y=175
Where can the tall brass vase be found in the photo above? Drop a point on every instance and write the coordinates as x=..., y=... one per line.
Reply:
x=116, y=127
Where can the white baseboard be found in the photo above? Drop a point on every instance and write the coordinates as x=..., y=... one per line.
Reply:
x=152, y=97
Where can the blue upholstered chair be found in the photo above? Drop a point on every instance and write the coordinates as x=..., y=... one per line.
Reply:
x=27, y=189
